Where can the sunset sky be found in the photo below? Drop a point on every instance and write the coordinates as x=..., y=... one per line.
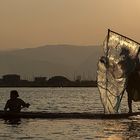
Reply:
x=33, y=23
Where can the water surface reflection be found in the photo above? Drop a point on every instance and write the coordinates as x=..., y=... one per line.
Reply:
x=71, y=129
x=67, y=100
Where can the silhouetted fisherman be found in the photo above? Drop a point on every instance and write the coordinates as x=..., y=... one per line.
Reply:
x=133, y=69
x=15, y=104
x=133, y=86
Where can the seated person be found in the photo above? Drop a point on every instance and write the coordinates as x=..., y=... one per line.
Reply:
x=15, y=104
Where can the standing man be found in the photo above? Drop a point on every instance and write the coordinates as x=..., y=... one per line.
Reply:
x=132, y=73
x=133, y=86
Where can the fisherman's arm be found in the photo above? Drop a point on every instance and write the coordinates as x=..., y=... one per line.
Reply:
x=24, y=104
x=6, y=106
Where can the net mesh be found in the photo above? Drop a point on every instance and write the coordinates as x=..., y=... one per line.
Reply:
x=114, y=68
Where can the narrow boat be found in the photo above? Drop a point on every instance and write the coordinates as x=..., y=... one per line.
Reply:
x=74, y=115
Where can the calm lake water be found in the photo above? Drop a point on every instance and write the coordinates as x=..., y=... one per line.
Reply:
x=67, y=100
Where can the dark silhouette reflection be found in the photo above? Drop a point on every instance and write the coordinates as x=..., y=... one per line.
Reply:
x=122, y=129
x=12, y=121
x=134, y=129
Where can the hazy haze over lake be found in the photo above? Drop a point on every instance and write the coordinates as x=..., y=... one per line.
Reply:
x=52, y=60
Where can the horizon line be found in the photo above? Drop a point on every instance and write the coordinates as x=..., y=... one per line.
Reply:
x=45, y=45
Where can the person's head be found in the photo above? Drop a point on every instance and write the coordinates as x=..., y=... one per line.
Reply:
x=13, y=94
x=124, y=51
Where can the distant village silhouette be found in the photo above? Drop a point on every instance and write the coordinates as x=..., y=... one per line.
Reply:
x=14, y=80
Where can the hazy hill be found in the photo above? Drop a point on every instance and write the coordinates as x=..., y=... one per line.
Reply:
x=50, y=60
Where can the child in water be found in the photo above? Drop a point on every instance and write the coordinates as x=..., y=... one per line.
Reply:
x=15, y=104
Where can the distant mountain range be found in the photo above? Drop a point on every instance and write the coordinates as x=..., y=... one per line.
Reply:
x=52, y=60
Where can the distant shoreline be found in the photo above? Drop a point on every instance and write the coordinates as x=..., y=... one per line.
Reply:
x=13, y=80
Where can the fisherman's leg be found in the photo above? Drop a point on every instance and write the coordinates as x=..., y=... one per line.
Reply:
x=129, y=102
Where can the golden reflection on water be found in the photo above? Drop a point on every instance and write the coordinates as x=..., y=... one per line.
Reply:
x=73, y=129
x=116, y=137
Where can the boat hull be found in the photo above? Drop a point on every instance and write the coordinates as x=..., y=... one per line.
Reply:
x=48, y=115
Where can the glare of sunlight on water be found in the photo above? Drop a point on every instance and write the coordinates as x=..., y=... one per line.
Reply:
x=116, y=137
